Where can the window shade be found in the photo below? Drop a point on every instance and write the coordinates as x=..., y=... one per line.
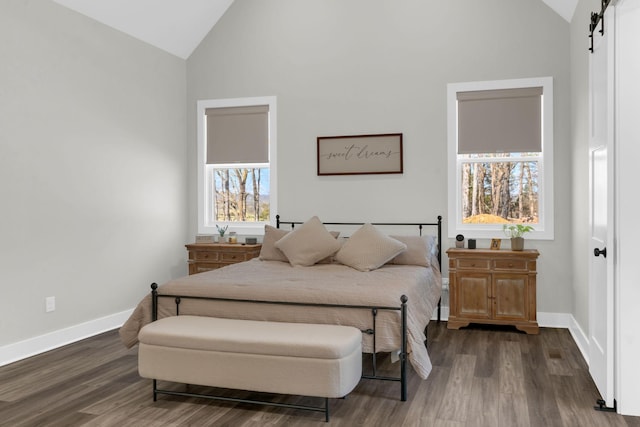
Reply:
x=238, y=134
x=500, y=121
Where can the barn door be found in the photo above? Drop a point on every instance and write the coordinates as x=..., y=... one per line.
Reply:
x=601, y=279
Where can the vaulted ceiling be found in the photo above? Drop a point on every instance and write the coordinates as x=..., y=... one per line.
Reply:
x=178, y=26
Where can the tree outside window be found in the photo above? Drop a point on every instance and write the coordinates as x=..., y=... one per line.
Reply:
x=240, y=194
x=495, y=191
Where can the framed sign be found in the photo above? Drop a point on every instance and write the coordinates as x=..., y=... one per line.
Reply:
x=360, y=154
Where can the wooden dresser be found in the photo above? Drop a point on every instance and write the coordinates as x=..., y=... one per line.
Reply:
x=209, y=256
x=493, y=286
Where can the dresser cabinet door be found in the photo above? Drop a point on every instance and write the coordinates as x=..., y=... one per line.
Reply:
x=473, y=295
x=510, y=296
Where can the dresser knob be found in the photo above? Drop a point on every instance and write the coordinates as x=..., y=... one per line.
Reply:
x=510, y=264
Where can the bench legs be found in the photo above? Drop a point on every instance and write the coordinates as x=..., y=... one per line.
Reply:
x=324, y=408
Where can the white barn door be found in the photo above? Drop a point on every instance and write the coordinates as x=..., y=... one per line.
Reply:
x=601, y=215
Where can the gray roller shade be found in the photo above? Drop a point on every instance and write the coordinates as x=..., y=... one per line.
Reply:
x=500, y=121
x=238, y=134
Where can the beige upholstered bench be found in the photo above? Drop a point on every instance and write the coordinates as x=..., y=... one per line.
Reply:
x=273, y=357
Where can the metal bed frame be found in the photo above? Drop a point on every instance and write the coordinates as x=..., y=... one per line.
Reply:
x=373, y=374
x=420, y=225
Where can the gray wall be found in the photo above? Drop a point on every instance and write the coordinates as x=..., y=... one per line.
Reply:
x=92, y=168
x=351, y=67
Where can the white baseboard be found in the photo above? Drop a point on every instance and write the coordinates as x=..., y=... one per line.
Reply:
x=581, y=339
x=30, y=347
x=554, y=320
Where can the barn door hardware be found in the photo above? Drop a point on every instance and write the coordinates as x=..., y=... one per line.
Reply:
x=602, y=406
x=597, y=18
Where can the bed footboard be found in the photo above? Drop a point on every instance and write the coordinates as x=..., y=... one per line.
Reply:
x=374, y=310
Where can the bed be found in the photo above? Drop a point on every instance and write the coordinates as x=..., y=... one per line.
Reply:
x=340, y=283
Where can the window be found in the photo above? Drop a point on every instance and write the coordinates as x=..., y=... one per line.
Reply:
x=500, y=156
x=236, y=164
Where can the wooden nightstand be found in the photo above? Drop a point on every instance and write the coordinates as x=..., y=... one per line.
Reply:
x=209, y=256
x=493, y=286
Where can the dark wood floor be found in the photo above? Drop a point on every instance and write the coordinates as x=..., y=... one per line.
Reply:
x=480, y=377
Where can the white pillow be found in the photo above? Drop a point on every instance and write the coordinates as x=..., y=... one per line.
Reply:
x=308, y=243
x=268, y=251
x=368, y=249
x=418, y=251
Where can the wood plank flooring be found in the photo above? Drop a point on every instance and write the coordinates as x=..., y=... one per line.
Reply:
x=481, y=377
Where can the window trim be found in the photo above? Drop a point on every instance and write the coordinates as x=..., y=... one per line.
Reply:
x=544, y=230
x=242, y=228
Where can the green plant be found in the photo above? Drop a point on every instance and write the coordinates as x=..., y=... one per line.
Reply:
x=516, y=230
x=222, y=230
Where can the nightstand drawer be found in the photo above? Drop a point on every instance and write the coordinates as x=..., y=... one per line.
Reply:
x=195, y=268
x=511, y=264
x=476, y=264
x=205, y=256
x=234, y=256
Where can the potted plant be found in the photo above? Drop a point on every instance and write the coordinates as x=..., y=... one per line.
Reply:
x=515, y=233
x=221, y=231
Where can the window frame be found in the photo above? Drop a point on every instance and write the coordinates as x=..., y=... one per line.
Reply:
x=248, y=227
x=544, y=230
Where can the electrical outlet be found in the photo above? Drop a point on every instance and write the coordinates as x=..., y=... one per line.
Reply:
x=50, y=304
